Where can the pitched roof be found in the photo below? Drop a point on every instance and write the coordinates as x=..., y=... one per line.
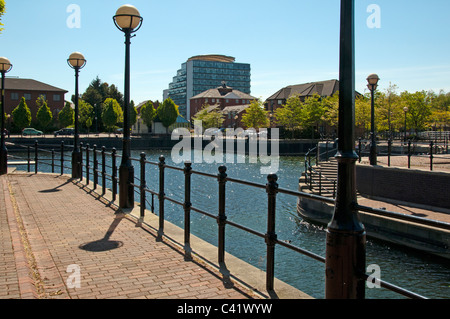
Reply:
x=221, y=93
x=29, y=85
x=322, y=88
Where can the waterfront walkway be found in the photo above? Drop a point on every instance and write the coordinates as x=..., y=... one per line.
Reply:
x=58, y=240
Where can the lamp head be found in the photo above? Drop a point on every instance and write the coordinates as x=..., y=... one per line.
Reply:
x=128, y=17
x=5, y=65
x=76, y=60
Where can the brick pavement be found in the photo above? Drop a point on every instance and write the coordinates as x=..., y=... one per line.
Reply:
x=67, y=230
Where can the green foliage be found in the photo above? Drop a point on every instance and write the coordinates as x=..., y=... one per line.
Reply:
x=112, y=113
x=148, y=113
x=86, y=113
x=289, y=116
x=66, y=115
x=212, y=118
x=167, y=112
x=255, y=116
x=44, y=114
x=21, y=115
x=2, y=11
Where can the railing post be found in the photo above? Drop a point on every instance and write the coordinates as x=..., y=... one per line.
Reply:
x=326, y=149
x=143, y=185
x=114, y=173
x=222, y=218
x=431, y=155
x=80, y=164
x=187, y=209
x=389, y=151
x=36, y=157
x=161, y=195
x=53, y=160
x=359, y=149
x=320, y=183
x=29, y=159
x=103, y=170
x=87, y=164
x=95, y=170
x=271, y=236
x=409, y=153
x=62, y=158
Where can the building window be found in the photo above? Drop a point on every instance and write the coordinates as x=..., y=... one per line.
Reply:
x=27, y=96
x=56, y=97
x=14, y=96
x=237, y=101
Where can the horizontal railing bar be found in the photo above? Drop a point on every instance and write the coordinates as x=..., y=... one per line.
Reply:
x=301, y=250
x=249, y=230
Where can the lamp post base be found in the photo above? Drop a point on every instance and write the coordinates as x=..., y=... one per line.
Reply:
x=126, y=188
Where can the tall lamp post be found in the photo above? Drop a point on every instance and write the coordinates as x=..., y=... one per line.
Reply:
x=405, y=109
x=5, y=67
x=127, y=20
x=346, y=236
x=76, y=61
x=372, y=85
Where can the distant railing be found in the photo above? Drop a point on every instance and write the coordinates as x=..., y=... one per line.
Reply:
x=411, y=152
x=97, y=166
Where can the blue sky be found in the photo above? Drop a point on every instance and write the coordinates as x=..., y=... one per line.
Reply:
x=285, y=41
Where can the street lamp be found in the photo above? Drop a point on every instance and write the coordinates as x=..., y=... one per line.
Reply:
x=76, y=61
x=405, y=109
x=346, y=235
x=127, y=20
x=5, y=67
x=372, y=85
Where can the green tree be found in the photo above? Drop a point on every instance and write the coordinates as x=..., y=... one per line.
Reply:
x=209, y=118
x=2, y=11
x=331, y=105
x=66, y=115
x=86, y=113
x=44, y=114
x=167, y=113
x=111, y=115
x=255, y=116
x=419, y=109
x=289, y=115
x=21, y=115
x=313, y=112
x=148, y=113
x=362, y=112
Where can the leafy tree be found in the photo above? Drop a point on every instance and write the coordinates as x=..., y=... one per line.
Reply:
x=419, y=109
x=289, y=115
x=44, y=114
x=148, y=113
x=313, y=112
x=209, y=118
x=2, y=11
x=255, y=116
x=167, y=113
x=86, y=113
x=21, y=115
x=331, y=105
x=66, y=115
x=362, y=112
x=111, y=114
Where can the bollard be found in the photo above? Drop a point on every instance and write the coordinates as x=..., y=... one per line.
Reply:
x=222, y=218
x=409, y=153
x=271, y=237
x=187, y=209
x=53, y=160
x=389, y=151
x=143, y=185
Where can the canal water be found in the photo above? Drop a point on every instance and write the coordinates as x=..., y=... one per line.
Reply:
x=247, y=205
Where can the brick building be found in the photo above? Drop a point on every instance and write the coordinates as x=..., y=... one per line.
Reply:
x=232, y=103
x=16, y=88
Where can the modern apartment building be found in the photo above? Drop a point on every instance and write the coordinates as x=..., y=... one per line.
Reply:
x=203, y=72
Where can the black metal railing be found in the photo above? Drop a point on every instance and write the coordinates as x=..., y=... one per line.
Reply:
x=98, y=167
